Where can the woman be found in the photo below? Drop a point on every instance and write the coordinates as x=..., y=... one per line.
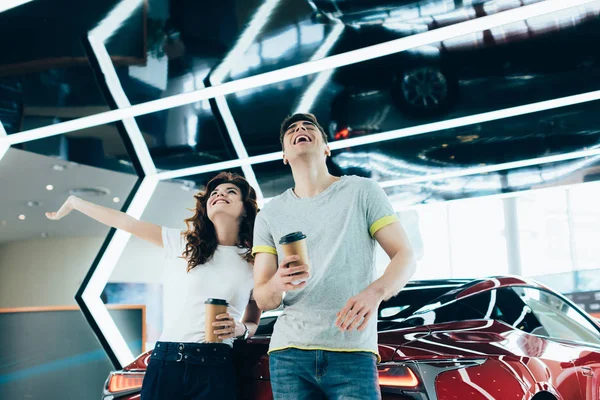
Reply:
x=216, y=247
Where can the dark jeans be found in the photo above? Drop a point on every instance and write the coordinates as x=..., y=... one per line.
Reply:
x=189, y=371
x=319, y=374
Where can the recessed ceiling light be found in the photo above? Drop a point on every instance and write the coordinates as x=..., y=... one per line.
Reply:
x=44, y=234
x=22, y=217
x=49, y=187
x=445, y=145
x=33, y=204
x=452, y=157
x=58, y=167
x=89, y=192
x=116, y=200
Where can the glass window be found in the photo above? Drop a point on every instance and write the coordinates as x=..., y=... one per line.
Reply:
x=509, y=308
x=559, y=319
x=469, y=308
x=477, y=243
x=433, y=256
x=502, y=305
x=585, y=219
x=427, y=230
x=544, y=233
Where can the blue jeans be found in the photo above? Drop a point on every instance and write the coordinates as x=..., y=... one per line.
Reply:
x=189, y=371
x=318, y=374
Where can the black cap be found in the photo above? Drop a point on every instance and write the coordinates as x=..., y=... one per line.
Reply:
x=292, y=237
x=217, y=302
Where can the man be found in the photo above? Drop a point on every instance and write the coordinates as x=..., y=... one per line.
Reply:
x=324, y=344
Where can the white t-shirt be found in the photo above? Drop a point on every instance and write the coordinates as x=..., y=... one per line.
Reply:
x=226, y=276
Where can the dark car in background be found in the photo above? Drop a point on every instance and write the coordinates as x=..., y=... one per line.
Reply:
x=428, y=80
x=496, y=338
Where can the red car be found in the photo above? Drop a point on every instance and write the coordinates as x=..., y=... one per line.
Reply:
x=496, y=338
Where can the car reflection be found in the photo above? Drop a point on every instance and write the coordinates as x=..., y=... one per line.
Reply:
x=428, y=80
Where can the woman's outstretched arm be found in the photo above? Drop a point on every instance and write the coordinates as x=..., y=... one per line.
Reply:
x=113, y=218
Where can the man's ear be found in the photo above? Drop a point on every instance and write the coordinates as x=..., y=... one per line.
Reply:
x=327, y=151
x=285, y=161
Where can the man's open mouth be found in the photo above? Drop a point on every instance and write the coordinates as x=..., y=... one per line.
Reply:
x=302, y=139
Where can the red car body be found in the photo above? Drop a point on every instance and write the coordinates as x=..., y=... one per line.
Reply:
x=535, y=354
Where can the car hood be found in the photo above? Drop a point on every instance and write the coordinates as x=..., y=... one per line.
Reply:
x=465, y=339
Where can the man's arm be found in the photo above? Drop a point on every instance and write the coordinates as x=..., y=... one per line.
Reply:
x=270, y=282
x=265, y=267
x=364, y=305
x=394, y=242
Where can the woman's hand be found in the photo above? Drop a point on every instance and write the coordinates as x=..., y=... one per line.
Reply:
x=64, y=210
x=229, y=327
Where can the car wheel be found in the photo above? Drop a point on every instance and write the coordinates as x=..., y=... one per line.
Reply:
x=424, y=91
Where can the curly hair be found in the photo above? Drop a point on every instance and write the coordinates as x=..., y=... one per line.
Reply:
x=201, y=237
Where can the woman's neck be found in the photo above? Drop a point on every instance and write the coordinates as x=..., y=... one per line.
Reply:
x=227, y=230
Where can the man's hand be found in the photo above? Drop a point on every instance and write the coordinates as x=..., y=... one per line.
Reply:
x=359, y=310
x=285, y=275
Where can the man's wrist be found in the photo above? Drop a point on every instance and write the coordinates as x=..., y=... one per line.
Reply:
x=379, y=290
x=273, y=290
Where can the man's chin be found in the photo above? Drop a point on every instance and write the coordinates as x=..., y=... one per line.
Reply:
x=303, y=154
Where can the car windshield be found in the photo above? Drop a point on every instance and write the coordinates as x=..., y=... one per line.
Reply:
x=393, y=312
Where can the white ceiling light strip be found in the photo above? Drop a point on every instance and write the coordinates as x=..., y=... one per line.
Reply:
x=115, y=19
x=91, y=295
x=116, y=90
x=4, y=145
x=238, y=145
x=404, y=132
x=468, y=120
x=247, y=38
x=308, y=68
x=219, y=166
x=492, y=168
x=104, y=269
x=8, y=4
x=310, y=95
x=110, y=330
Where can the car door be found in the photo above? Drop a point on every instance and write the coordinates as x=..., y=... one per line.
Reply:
x=564, y=323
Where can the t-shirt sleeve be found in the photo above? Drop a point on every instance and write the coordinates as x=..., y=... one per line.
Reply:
x=380, y=212
x=173, y=242
x=263, y=238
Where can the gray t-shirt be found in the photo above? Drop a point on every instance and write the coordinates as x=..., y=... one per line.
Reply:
x=339, y=224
